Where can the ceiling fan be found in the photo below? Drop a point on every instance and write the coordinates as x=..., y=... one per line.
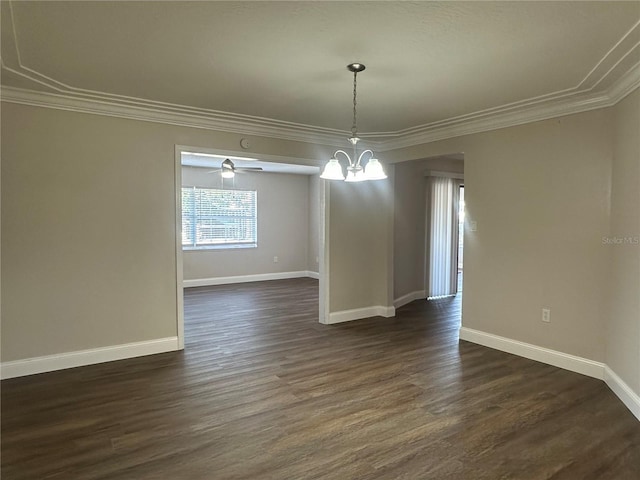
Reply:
x=229, y=170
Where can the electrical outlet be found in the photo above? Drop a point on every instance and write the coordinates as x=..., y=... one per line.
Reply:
x=317, y=259
x=546, y=315
x=473, y=226
x=275, y=259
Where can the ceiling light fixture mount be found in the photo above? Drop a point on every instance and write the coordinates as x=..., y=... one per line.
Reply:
x=355, y=171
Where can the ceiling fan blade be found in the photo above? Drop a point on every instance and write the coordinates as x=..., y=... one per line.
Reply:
x=248, y=169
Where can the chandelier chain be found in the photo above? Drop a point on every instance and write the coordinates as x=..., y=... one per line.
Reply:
x=354, y=127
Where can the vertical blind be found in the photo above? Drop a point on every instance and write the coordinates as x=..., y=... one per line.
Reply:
x=213, y=217
x=443, y=239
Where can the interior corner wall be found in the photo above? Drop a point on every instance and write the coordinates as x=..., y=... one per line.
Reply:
x=361, y=218
x=283, y=230
x=540, y=196
x=622, y=319
x=409, y=246
x=88, y=226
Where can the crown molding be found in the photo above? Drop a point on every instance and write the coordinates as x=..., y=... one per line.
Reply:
x=209, y=120
x=491, y=119
x=510, y=117
x=625, y=85
x=580, y=98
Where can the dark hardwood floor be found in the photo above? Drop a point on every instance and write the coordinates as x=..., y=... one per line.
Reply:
x=263, y=391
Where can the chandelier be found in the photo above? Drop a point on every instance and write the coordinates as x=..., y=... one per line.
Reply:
x=355, y=171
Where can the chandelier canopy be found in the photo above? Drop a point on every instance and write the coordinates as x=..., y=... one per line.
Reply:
x=355, y=171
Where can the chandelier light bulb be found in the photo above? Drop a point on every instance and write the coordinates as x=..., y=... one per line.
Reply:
x=373, y=170
x=332, y=170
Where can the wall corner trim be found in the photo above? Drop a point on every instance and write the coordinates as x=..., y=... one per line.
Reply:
x=623, y=391
x=80, y=358
x=409, y=297
x=359, y=313
x=258, y=277
x=534, y=352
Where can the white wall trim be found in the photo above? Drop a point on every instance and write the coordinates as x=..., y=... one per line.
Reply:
x=177, y=115
x=311, y=274
x=562, y=102
x=258, y=277
x=572, y=363
x=324, y=253
x=534, y=352
x=624, y=392
x=409, y=297
x=178, y=246
x=526, y=111
x=61, y=361
x=510, y=116
x=358, y=313
x=625, y=85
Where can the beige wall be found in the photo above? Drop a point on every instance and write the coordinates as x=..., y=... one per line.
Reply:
x=101, y=191
x=622, y=319
x=540, y=196
x=409, y=247
x=283, y=227
x=88, y=226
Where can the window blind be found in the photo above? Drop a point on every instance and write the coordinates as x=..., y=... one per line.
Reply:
x=213, y=217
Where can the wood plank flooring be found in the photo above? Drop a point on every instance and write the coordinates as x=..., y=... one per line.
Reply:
x=265, y=392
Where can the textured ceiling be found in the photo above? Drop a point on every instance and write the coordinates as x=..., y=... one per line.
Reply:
x=426, y=61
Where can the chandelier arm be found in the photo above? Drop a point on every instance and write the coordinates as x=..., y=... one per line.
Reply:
x=345, y=154
x=362, y=155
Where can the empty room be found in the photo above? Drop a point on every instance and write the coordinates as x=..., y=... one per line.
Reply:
x=320, y=240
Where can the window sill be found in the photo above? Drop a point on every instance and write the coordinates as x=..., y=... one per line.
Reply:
x=219, y=247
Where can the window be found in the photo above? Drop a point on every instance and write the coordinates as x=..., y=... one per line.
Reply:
x=213, y=218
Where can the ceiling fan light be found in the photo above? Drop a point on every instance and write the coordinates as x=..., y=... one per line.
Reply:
x=373, y=170
x=227, y=172
x=332, y=170
x=228, y=169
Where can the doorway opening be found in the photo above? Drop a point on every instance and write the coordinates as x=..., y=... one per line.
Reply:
x=445, y=239
x=239, y=221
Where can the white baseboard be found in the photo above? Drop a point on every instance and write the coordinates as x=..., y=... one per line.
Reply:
x=630, y=398
x=60, y=361
x=409, y=297
x=558, y=359
x=311, y=274
x=259, y=277
x=358, y=313
x=533, y=352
